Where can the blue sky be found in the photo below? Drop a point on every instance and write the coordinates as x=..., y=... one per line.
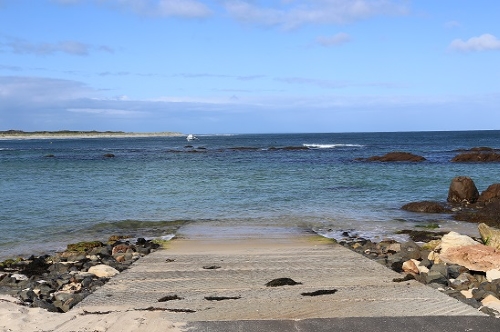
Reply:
x=249, y=66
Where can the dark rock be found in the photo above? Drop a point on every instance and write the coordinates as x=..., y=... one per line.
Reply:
x=397, y=157
x=59, y=268
x=455, y=270
x=100, y=251
x=481, y=148
x=422, y=236
x=489, y=311
x=410, y=250
x=45, y=290
x=479, y=294
x=426, y=207
x=490, y=215
x=462, y=190
x=436, y=277
x=44, y=304
x=477, y=156
x=143, y=250
x=440, y=268
x=492, y=193
x=27, y=295
x=472, y=302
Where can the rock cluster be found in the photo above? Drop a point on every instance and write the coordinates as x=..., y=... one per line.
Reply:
x=465, y=202
x=456, y=264
x=59, y=282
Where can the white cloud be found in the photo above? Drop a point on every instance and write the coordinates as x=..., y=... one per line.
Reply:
x=337, y=39
x=108, y=112
x=485, y=42
x=21, y=46
x=331, y=84
x=155, y=8
x=35, y=89
x=293, y=14
x=183, y=8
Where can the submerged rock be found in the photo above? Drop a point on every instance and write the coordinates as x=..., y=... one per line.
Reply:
x=396, y=157
x=477, y=156
x=426, y=207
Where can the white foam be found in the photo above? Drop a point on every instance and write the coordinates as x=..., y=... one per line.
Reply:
x=332, y=146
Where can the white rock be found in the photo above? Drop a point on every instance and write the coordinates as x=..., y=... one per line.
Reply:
x=454, y=240
x=422, y=268
x=103, y=271
x=19, y=277
x=493, y=274
x=491, y=302
x=434, y=256
x=410, y=266
x=467, y=293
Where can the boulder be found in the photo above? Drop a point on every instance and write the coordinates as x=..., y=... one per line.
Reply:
x=455, y=240
x=474, y=257
x=397, y=157
x=462, y=190
x=489, y=235
x=426, y=207
x=492, y=193
x=410, y=266
x=477, y=156
x=103, y=271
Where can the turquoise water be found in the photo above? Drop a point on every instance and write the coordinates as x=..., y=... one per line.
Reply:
x=306, y=180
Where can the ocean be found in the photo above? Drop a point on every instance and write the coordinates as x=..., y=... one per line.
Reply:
x=59, y=191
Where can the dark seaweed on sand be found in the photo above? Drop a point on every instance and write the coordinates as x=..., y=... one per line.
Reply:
x=169, y=298
x=282, y=282
x=320, y=292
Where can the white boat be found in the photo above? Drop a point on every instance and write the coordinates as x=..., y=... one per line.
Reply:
x=191, y=137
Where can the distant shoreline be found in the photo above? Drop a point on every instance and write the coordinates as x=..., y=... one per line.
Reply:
x=66, y=134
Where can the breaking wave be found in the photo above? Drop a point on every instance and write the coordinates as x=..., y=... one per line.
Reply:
x=332, y=146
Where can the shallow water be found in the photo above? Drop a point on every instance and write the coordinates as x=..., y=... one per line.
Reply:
x=153, y=185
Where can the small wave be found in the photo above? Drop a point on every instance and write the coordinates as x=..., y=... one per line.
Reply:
x=332, y=146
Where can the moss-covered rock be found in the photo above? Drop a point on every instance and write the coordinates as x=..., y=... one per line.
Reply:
x=84, y=246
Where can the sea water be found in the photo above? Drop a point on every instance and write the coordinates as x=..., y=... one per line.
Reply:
x=58, y=191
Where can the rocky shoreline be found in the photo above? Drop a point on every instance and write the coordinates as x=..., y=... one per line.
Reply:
x=57, y=283
x=472, y=279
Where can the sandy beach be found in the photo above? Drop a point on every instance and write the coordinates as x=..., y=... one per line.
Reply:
x=196, y=279
x=80, y=135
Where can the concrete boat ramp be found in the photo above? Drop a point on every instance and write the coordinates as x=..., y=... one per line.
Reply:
x=219, y=284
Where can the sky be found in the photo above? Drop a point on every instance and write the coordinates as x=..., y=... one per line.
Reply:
x=249, y=66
